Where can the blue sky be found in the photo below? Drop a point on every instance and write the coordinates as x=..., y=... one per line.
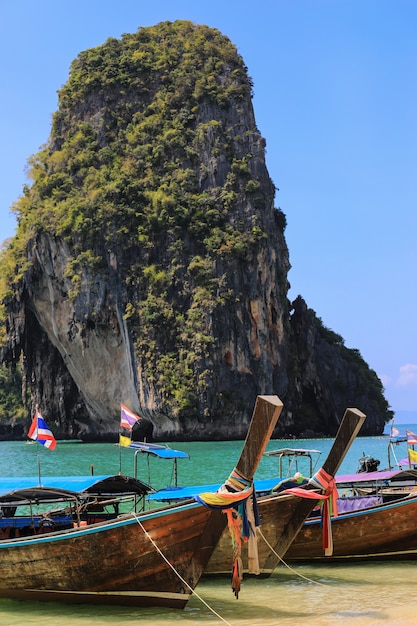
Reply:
x=335, y=96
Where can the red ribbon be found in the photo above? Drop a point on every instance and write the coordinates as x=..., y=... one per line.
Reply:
x=324, y=481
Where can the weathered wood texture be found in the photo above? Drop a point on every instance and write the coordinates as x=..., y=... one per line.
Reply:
x=265, y=416
x=388, y=531
x=114, y=556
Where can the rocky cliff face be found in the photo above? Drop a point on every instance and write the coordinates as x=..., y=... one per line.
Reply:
x=328, y=377
x=154, y=271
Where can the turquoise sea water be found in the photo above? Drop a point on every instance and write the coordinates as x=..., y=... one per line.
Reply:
x=355, y=594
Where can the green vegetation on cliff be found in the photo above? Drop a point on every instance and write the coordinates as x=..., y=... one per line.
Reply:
x=11, y=405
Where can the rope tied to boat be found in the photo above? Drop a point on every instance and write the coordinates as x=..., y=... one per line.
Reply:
x=168, y=562
x=327, y=501
x=237, y=499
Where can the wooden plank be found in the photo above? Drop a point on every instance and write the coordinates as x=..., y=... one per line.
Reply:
x=264, y=419
x=349, y=428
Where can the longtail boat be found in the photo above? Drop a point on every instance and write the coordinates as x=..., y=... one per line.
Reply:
x=282, y=515
x=375, y=526
x=153, y=558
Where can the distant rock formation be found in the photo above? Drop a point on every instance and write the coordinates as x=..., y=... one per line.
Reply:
x=153, y=265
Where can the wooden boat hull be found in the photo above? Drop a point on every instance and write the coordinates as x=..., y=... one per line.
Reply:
x=387, y=531
x=115, y=562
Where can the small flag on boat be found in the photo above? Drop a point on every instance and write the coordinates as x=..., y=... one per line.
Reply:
x=411, y=438
x=124, y=441
x=39, y=431
x=395, y=432
x=412, y=455
x=127, y=420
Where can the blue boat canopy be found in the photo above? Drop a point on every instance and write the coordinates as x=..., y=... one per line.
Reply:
x=29, y=487
x=291, y=452
x=157, y=450
x=176, y=494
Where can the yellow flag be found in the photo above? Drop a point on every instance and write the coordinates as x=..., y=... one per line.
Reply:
x=412, y=455
x=125, y=441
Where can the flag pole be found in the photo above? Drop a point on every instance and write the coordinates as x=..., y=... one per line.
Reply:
x=120, y=458
x=39, y=469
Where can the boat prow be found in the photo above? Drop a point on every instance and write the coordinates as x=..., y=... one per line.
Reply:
x=282, y=515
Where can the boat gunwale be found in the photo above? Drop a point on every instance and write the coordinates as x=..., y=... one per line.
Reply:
x=125, y=519
x=376, y=508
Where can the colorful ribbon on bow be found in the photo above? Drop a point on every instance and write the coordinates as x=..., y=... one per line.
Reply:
x=241, y=509
x=325, y=482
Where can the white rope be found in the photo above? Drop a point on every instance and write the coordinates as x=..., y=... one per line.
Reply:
x=178, y=574
x=310, y=580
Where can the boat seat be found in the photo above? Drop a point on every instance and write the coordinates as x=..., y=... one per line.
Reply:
x=356, y=503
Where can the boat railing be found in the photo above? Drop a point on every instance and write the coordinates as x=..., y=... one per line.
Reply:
x=391, y=451
x=294, y=457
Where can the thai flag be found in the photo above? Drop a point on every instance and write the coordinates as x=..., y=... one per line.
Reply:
x=411, y=438
x=127, y=418
x=40, y=431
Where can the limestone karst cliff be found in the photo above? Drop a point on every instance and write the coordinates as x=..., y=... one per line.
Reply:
x=150, y=264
